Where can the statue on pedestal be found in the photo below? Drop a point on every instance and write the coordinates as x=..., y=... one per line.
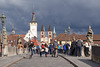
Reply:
x=90, y=36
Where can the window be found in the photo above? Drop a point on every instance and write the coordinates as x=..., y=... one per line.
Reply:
x=42, y=32
x=49, y=35
x=42, y=36
x=49, y=32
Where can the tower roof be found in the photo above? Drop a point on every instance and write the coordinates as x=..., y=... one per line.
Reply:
x=33, y=17
x=42, y=29
x=54, y=30
x=49, y=28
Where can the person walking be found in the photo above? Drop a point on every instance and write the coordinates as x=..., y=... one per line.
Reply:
x=31, y=48
x=79, y=47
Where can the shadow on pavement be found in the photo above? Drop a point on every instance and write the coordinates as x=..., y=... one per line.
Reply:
x=90, y=62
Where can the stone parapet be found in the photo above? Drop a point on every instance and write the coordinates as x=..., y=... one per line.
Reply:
x=96, y=53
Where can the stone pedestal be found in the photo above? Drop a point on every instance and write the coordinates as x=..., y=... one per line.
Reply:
x=5, y=51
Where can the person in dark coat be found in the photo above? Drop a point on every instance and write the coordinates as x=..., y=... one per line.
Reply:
x=31, y=48
x=73, y=47
x=50, y=48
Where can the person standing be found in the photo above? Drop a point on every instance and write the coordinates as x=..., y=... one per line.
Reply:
x=86, y=48
x=59, y=48
x=67, y=48
x=79, y=47
x=55, y=47
x=46, y=50
x=64, y=48
x=42, y=50
x=73, y=47
x=50, y=48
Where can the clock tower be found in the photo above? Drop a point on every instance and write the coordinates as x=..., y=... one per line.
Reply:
x=33, y=25
x=33, y=29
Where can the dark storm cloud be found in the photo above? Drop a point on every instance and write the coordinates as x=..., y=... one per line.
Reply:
x=78, y=14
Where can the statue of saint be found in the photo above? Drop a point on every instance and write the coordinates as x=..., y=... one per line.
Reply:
x=90, y=35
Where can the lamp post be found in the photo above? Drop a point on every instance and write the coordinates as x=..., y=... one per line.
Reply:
x=3, y=17
x=65, y=36
x=69, y=33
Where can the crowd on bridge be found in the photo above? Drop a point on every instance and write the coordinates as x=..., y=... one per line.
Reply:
x=75, y=49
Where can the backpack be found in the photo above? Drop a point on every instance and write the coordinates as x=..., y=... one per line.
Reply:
x=56, y=47
x=43, y=46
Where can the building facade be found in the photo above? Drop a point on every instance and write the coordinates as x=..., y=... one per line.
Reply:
x=49, y=37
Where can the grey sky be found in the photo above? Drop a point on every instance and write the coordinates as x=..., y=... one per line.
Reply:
x=78, y=14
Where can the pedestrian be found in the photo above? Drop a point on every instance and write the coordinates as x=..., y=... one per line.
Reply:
x=31, y=49
x=79, y=47
x=46, y=51
x=42, y=50
x=50, y=48
x=73, y=48
x=20, y=48
x=55, y=49
x=67, y=48
x=64, y=48
x=86, y=49
x=59, y=48
x=25, y=47
x=38, y=49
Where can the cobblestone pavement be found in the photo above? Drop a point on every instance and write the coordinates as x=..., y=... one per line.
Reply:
x=6, y=60
x=37, y=61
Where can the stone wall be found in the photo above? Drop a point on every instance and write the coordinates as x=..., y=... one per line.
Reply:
x=96, y=53
x=11, y=51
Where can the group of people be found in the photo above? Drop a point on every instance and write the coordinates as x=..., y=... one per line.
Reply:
x=51, y=49
x=76, y=48
x=54, y=48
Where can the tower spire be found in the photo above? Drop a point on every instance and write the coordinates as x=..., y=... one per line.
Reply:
x=33, y=17
x=49, y=28
x=54, y=30
x=42, y=29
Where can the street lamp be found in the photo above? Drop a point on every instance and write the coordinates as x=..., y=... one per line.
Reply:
x=65, y=36
x=69, y=33
x=3, y=17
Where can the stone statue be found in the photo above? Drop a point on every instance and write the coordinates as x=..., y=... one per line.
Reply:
x=90, y=36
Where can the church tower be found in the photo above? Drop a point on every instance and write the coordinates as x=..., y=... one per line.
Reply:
x=42, y=34
x=33, y=25
x=33, y=29
x=49, y=34
x=54, y=33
